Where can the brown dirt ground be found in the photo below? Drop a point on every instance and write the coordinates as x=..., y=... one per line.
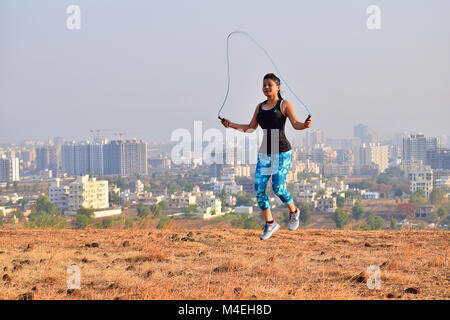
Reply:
x=224, y=264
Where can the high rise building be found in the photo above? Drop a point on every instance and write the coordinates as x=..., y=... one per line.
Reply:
x=362, y=132
x=82, y=158
x=68, y=158
x=314, y=137
x=415, y=147
x=374, y=154
x=439, y=158
x=9, y=169
x=47, y=158
x=125, y=158
x=96, y=158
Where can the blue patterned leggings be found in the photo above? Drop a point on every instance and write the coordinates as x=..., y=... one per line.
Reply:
x=275, y=165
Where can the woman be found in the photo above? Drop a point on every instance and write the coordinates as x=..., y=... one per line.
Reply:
x=275, y=155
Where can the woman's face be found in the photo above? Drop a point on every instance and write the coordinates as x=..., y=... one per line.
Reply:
x=270, y=88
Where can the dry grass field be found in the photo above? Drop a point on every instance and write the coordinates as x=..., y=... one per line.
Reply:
x=223, y=264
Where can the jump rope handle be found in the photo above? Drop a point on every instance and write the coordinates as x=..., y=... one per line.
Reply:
x=309, y=117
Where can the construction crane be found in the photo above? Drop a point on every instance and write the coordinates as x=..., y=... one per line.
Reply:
x=121, y=134
x=96, y=133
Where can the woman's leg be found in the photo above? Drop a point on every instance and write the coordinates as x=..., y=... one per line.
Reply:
x=279, y=180
x=261, y=180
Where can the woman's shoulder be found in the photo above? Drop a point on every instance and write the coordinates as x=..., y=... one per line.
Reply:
x=283, y=105
x=262, y=103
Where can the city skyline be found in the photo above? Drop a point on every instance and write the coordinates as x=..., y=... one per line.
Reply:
x=152, y=76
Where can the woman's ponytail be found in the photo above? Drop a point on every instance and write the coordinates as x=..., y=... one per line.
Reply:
x=279, y=95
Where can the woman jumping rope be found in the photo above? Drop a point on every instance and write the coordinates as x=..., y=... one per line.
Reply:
x=271, y=116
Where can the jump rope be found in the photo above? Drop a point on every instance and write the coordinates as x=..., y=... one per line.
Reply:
x=271, y=60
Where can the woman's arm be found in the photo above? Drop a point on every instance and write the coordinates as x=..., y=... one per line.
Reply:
x=290, y=113
x=243, y=127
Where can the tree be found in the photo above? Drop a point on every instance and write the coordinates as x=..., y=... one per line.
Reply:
x=106, y=223
x=244, y=221
x=86, y=211
x=129, y=222
x=84, y=217
x=114, y=198
x=22, y=202
x=190, y=209
x=119, y=182
x=222, y=196
x=418, y=197
x=244, y=199
x=434, y=216
x=142, y=210
x=45, y=215
x=305, y=214
x=16, y=186
x=164, y=222
x=163, y=204
x=82, y=221
x=340, y=202
x=43, y=204
x=156, y=210
x=406, y=209
x=375, y=222
x=340, y=217
x=319, y=194
x=394, y=224
x=437, y=196
x=442, y=213
x=357, y=211
x=44, y=220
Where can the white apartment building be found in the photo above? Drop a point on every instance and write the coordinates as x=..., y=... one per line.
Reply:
x=181, y=199
x=59, y=195
x=306, y=197
x=374, y=153
x=314, y=186
x=336, y=169
x=325, y=204
x=88, y=193
x=9, y=169
x=443, y=182
x=421, y=179
x=211, y=209
x=232, y=188
x=337, y=185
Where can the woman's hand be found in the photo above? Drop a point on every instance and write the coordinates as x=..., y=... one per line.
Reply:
x=226, y=123
x=307, y=123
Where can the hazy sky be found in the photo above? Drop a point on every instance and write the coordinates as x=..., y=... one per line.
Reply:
x=149, y=67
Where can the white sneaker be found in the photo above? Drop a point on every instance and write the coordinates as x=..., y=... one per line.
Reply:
x=294, y=220
x=269, y=229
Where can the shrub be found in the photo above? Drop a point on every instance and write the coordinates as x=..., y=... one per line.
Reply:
x=164, y=222
x=82, y=221
x=340, y=217
x=394, y=224
x=357, y=211
x=142, y=210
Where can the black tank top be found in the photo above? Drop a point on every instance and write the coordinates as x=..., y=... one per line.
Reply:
x=272, y=119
